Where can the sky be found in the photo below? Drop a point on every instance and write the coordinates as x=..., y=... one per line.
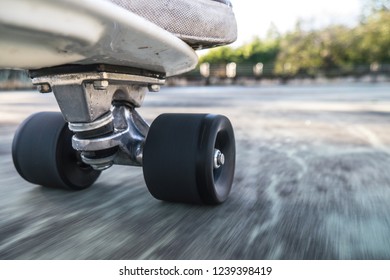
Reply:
x=254, y=17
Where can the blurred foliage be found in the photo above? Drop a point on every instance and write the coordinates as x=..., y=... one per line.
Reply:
x=258, y=50
x=304, y=52
x=374, y=38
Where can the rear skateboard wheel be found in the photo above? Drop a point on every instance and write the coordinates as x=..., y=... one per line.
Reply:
x=190, y=158
x=43, y=155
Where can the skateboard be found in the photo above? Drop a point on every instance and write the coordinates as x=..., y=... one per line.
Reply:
x=100, y=61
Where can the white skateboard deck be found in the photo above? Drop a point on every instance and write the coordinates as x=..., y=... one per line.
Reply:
x=45, y=33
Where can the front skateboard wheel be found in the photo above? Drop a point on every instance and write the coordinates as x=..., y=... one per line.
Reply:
x=43, y=155
x=190, y=158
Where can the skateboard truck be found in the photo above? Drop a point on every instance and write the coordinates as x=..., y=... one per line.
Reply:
x=186, y=158
x=100, y=110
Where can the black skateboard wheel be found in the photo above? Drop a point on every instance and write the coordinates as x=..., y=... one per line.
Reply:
x=190, y=158
x=43, y=155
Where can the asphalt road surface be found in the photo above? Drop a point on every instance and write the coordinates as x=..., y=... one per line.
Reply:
x=312, y=182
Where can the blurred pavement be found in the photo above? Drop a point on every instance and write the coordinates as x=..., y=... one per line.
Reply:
x=312, y=182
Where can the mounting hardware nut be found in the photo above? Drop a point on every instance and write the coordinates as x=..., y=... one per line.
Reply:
x=101, y=84
x=154, y=88
x=44, y=88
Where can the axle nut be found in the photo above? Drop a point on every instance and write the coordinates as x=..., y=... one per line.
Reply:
x=219, y=159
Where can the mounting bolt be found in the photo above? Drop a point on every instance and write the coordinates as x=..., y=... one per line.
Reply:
x=154, y=88
x=219, y=159
x=101, y=84
x=44, y=88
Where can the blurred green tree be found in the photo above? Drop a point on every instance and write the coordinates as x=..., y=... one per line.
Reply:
x=308, y=52
x=373, y=39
